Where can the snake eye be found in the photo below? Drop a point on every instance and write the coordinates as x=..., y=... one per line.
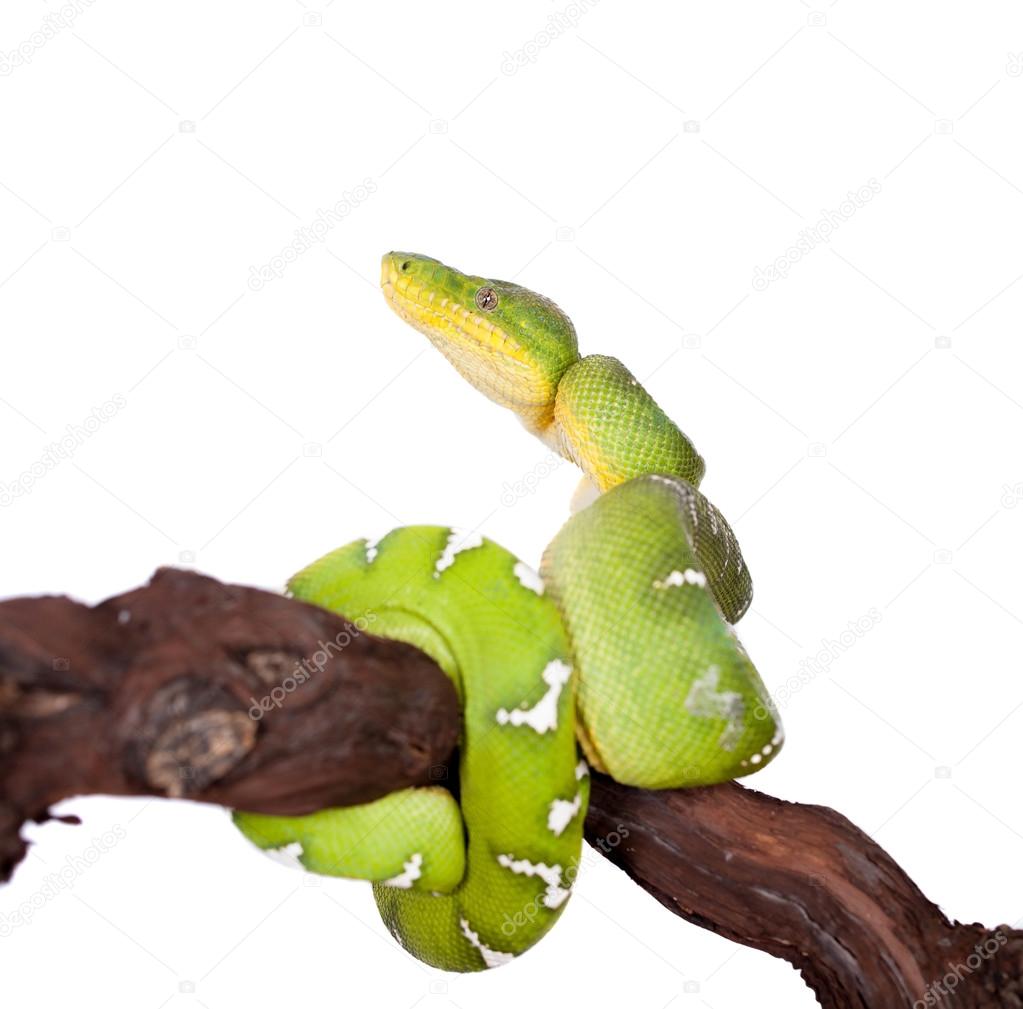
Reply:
x=486, y=299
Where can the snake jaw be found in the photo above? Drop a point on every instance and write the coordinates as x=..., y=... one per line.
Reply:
x=440, y=303
x=438, y=316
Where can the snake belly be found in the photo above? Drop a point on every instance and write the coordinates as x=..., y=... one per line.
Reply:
x=462, y=888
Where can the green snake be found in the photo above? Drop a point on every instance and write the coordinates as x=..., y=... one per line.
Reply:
x=623, y=641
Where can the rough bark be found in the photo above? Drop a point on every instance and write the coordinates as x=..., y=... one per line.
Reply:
x=162, y=691
x=803, y=883
x=157, y=692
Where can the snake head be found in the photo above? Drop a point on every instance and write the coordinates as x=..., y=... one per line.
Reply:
x=512, y=344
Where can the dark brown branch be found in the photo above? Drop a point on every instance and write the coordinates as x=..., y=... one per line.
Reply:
x=802, y=883
x=152, y=693
x=190, y=688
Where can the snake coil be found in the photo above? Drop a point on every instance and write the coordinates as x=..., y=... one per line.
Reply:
x=623, y=642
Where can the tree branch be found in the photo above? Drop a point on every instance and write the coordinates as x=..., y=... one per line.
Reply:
x=190, y=688
x=802, y=883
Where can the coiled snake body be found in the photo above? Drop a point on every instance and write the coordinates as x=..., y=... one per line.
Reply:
x=623, y=642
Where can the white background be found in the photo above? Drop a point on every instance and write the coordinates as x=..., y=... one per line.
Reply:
x=861, y=418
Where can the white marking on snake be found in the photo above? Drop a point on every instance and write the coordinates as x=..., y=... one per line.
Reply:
x=491, y=957
x=371, y=550
x=688, y=577
x=457, y=542
x=705, y=701
x=561, y=813
x=411, y=871
x=555, y=894
x=287, y=854
x=528, y=578
x=544, y=714
x=694, y=515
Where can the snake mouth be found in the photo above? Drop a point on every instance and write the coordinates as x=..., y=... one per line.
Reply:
x=439, y=315
x=485, y=354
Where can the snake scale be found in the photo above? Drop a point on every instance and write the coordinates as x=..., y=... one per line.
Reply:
x=622, y=642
